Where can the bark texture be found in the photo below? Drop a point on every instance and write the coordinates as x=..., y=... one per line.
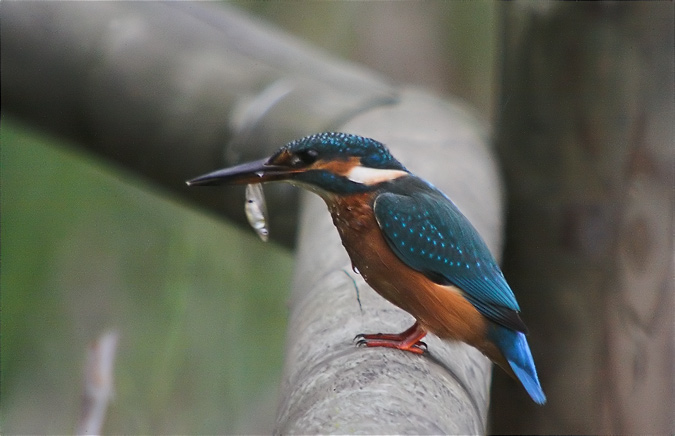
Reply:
x=586, y=139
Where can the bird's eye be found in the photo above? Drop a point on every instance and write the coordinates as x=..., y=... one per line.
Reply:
x=304, y=158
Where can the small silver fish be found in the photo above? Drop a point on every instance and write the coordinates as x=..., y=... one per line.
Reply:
x=256, y=210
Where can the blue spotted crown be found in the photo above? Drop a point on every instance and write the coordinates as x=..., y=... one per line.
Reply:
x=336, y=145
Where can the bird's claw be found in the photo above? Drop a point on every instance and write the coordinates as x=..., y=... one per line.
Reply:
x=363, y=337
x=369, y=340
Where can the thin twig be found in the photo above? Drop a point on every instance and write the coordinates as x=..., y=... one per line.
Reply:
x=98, y=383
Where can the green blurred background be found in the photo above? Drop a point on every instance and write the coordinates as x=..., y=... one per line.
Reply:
x=199, y=304
x=86, y=248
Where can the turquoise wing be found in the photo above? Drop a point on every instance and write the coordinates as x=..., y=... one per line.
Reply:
x=429, y=233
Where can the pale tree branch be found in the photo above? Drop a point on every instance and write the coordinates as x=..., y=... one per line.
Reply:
x=174, y=89
x=330, y=386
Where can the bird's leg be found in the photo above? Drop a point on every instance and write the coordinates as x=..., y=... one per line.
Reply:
x=408, y=340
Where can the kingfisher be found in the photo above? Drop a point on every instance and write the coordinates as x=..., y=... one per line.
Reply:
x=410, y=243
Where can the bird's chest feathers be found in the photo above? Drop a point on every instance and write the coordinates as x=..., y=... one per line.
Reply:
x=353, y=214
x=440, y=309
x=362, y=238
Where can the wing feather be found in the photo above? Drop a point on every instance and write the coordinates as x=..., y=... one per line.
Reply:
x=429, y=233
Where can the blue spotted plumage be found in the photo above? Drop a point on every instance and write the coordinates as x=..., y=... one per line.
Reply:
x=429, y=233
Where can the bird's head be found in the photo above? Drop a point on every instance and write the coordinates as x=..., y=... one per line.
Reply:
x=327, y=163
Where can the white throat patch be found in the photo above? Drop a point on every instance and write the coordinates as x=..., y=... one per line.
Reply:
x=373, y=176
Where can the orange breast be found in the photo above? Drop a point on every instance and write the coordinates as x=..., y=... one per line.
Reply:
x=440, y=309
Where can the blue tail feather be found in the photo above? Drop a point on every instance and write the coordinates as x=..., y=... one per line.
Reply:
x=515, y=349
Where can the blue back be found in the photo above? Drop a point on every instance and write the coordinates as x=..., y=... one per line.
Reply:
x=429, y=233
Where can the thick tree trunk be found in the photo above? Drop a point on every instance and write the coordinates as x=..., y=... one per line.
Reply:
x=586, y=137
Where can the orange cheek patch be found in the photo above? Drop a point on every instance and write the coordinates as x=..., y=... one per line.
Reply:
x=339, y=167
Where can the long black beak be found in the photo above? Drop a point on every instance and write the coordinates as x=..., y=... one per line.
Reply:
x=250, y=172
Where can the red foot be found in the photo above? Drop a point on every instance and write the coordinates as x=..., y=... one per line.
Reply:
x=408, y=340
